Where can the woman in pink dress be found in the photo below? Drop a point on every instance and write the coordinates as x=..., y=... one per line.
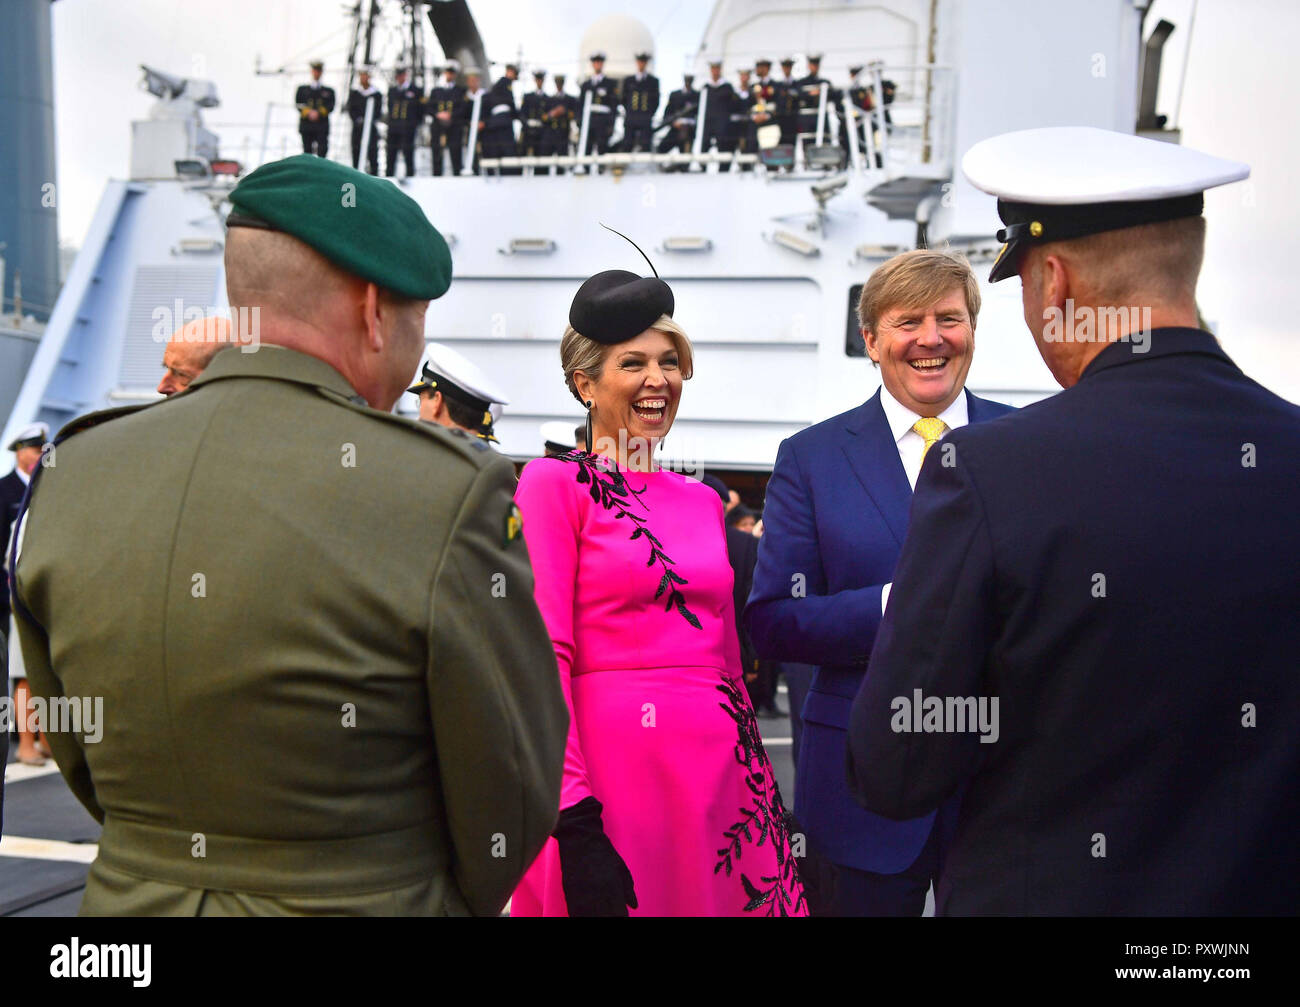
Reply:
x=669, y=806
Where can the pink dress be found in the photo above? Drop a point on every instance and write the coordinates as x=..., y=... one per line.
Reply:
x=633, y=581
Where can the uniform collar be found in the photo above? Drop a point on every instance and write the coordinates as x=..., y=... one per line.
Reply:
x=901, y=419
x=277, y=363
x=22, y=475
x=1159, y=343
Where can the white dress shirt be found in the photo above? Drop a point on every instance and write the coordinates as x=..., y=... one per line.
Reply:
x=911, y=444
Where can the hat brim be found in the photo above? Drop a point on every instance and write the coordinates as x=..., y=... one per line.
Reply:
x=1007, y=264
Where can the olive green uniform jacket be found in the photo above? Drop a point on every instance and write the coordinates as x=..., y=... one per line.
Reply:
x=325, y=685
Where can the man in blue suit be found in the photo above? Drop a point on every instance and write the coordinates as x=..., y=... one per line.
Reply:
x=1093, y=624
x=834, y=522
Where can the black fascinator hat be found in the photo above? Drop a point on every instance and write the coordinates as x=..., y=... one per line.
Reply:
x=616, y=305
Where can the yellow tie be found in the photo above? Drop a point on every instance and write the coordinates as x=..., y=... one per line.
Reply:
x=930, y=428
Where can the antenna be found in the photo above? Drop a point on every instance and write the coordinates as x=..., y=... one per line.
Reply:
x=636, y=246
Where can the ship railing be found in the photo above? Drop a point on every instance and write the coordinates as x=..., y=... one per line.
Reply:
x=543, y=163
x=912, y=136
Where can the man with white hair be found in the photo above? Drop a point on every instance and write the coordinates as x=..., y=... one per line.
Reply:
x=190, y=350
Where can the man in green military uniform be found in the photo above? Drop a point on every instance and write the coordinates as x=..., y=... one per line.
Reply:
x=325, y=685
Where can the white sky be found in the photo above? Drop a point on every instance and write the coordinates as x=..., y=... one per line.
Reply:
x=1238, y=101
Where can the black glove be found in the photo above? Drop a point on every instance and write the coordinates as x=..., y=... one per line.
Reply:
x=595, y=879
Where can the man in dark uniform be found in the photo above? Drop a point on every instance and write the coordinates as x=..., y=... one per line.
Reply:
x=740, y=133
x=405, y=109
x=365, y=109
x=810, y=87
x=362, y=717
x=763, y=107
x=455, y=392
x=719, y=99
x=603, y=94
x=557, y=119
x=446, y=108
x=640, y=97
x=1105, y=580
x=787, y=102
x=28, y=448
x=315, y=102
x=863, y=101
x=680, y=117
x=532, y=111
x=499, y=113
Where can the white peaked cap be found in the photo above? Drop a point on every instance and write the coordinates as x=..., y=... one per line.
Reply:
x=40, y=431
x=558, y=432
x=1062, y=165
x=451, y=365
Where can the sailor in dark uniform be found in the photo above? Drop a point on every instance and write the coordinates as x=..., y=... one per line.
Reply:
x=29, y=453
x=315, y=102
x=763, y=105
x=363, y=99
x=740, y=133
x=499, y=113
x=405, y=109
x=454, y=392
x=604, y=105
x=640, y=98
x=719, y=99
x=532, y=111
x=446, y=108
x=679, y=117
x=810, y=88
x=787, y=102
x=558, y=114
x=1105, y=580
x=863, y=101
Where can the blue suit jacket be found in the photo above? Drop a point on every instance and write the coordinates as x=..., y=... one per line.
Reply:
x=834, y=522
x=1119, y=567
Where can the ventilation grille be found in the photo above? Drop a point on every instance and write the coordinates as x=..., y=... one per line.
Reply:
x=155, y=314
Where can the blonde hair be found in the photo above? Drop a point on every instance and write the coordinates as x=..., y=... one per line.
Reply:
x=917, y=279
x=578, y=353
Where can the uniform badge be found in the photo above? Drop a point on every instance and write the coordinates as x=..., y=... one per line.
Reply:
x=514, y=524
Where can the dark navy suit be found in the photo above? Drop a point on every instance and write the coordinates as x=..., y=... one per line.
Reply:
x=12, y=491
x=834, y=521
x=1120, y=566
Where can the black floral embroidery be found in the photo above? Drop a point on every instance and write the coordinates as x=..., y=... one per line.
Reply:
x=764, y=820
x=608, y=488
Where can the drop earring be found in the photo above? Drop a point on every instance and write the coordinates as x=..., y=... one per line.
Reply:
x=589, y=444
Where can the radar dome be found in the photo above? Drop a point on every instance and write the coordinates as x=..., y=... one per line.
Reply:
x=619, y=37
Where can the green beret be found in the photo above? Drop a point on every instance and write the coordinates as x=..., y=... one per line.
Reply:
x=361, y=223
